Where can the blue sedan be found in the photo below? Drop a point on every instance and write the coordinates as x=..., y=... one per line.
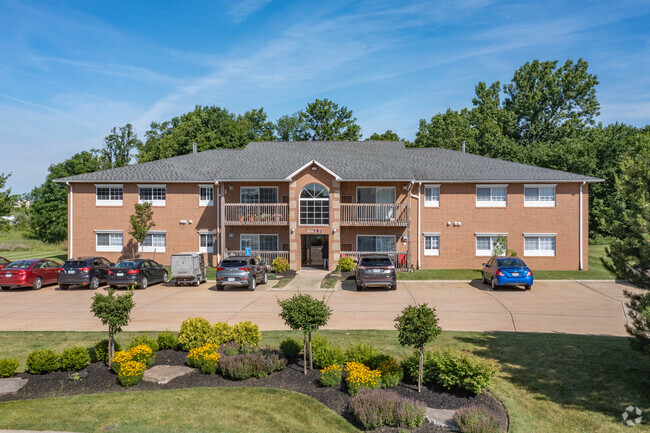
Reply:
x=507, y=271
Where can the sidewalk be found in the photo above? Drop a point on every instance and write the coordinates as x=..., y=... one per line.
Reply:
x=306, y=280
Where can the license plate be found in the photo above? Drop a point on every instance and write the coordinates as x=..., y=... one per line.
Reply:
x=231, y=279
x=515, y=274
x=72, y=272
x=120, y=274
x=376, y=271
x=7, y=275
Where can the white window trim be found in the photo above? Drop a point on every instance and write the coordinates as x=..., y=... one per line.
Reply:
x=109, y=202
x=431, y=252
x=486, y=253
x=109, y=248
x=386, y=236
x=538, y=203
x=277, y=192
x=431, y=203
x=540, y=253
x=206, y=249
x=147, y=249
x=329, y=206
x=491, y=203
x=206, y=202
x=277, y=237
x=153, y=202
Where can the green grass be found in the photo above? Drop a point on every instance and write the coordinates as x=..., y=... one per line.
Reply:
x=184, y=410
x=330, y=280
x=549, y=382
x=283, y=281
x=15, y=245
x=596, y=271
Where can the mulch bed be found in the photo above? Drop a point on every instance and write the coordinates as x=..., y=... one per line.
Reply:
x=100, y=380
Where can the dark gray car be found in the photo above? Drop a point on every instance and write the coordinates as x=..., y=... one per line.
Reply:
x=84, y=271
x=241, y=271
x=376, y=271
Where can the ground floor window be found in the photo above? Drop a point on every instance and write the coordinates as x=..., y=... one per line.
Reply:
x=258, y=242
x=485, y=244
x=155, y=242
x=375, y=243
x=108, y=241
x=431, y=244
x=206, y=242
x=539, y=245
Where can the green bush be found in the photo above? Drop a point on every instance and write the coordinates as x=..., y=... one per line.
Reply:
x=291, y=349
x=221, y=333
x=346, y=264
x=43, y=361
x=324, y=354
x=101, y=350
x=194, y=333
x=479, y=419
x=167, y=340
x=74, y=358
x=376, y=408
x=280, y=264
x=143, y=340
x=246, y=333
x=331, y=376
x=391, y=371
x=8, y=367
x=362, y=353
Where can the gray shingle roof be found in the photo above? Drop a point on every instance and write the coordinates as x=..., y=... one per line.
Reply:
x=350, y=160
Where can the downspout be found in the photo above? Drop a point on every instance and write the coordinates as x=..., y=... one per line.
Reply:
x=70, y=251
x=417, y=197
x=581, y=235
x=217, y=204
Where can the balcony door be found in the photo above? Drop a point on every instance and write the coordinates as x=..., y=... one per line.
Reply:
x=376, y=195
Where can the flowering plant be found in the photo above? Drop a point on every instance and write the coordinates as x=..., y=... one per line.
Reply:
x=131, y=372
x=360, y=376
x=120, y=358
x=199, y=356
x=391, y=373
x=142, y=354
x=331, y=376
x=210, y=363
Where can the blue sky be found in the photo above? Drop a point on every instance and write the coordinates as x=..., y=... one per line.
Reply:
x=71, y=70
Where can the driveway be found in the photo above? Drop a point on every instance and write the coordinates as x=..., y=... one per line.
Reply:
x=588, y=307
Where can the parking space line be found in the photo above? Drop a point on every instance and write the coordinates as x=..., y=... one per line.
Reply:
x=607, y=296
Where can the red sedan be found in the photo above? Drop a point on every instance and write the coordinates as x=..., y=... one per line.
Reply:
x=33, y=273
x=4, y=262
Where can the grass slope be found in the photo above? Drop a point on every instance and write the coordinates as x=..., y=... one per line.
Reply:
x=15, y=245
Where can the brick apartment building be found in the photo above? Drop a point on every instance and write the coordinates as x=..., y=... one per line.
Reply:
x=427, y=207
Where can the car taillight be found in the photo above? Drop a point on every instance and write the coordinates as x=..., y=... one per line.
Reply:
x=22, y=272
x=111, y=272
x=361, y=268
x=220, y=269
x=529, y=274
x=84, y=269
x=244, y=269
x=499, y=273
x=134, y=271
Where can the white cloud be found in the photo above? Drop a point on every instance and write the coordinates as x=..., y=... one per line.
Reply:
x=243, y=8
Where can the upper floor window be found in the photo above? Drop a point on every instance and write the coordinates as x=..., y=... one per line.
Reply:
x=432, y=196
x=314, y=205
x=539, y=195
x=539, y=245
x=379, y=194
x=155, y=242
x=108, y=241
x=154, y=194
x=432, y=244
x=256, y=194
x=206, y=242
x=109, y=195
x=485, y=243
x=491, y=195
x=206, y=195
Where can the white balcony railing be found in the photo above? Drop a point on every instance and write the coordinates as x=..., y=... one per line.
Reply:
x=273, y=214
x=374, y=214
x=267, y=256
x=400, y=260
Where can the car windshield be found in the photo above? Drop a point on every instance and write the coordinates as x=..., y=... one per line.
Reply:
x=376, y=262
x=19, y=265
x=511, y=262
x=233, y=263
x=127, y=264
x=73, y=264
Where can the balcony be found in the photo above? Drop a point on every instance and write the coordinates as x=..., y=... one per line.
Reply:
x=374, y=214
x=267, y=256
x=256, y=214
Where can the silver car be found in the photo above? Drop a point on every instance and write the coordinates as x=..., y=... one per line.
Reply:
x=241, y=271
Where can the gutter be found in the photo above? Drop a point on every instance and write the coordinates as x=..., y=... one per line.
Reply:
x=581, y=267
x=418, y=198
x=217, y=201
x=70, y=219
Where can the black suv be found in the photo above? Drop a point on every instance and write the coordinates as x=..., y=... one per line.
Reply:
x=84, y=271
x=376, y=271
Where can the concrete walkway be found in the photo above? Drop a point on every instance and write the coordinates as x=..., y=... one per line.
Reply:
x=589, y=307
x=306, y=280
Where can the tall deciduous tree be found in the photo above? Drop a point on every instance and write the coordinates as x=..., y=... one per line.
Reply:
x=7, y=201
x=257, y=125
x=386, y=136
x=114, y=311
x=447, y=130
x=290, y=128
x=117, y=147
x=141, y=222
x=326, y=120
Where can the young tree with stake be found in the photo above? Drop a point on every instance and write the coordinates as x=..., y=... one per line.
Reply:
x=114, y=311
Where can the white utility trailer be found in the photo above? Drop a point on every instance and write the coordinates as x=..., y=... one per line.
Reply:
x=188, y=268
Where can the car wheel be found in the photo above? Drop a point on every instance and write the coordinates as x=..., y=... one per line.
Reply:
x=64, y=286
x=252, y=285
x=393, y=287
x=266, y=278
x=4, y=287
x=165, y=277
x=219, y=287
x=527, y=287
x=37, y=284
x=94, y=282
x=176, y=283
x=359, y=287
x=483, y=278
x=144, y=282
x=493, y=284
x=197, y=283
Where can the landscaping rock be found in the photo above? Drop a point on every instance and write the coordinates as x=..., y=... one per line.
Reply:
x=12, y=385
x=162, y=374
x=442, y=418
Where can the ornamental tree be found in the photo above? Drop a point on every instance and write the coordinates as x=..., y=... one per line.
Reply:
x=416, y=327
x=305, y=313
x=113, y=311
x=141, y=222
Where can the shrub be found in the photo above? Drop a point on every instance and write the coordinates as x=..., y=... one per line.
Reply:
x=359, y=376
x=258, y=363
x=119, y=359
x=75, y=358
x=144, y=340
x=291, y=349
x=167, y=340
x=280, y=264
x=479, y=419
x=230, y=349
x=346, y=264
x=246, y=333
x=196, y=357
x=376, y=408
x=362, y=353
x=324, y=354
x=131, y=373
x=101, y=350
x=221, y=333
x=331, y=376
x=391, y=373
x=43, y=361
x=143, y=354
x=194, y=333
x=8, y=367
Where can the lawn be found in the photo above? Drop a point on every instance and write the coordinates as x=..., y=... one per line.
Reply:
x=549, y=382
x=596, y=271
x=15, y=245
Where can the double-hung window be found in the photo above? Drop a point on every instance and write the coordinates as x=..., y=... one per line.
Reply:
x=432, y=244
x=154, y=194
x=539, y=195
x=485, y=243
x=256, y=194
x=432, y=196
x=109, y=195
x=375, y=243
x=491, y=195
x=258, y=242
x=540, y=245
x=206, y=195
x=155, y=242
x=206, y=242
x=108, y=240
